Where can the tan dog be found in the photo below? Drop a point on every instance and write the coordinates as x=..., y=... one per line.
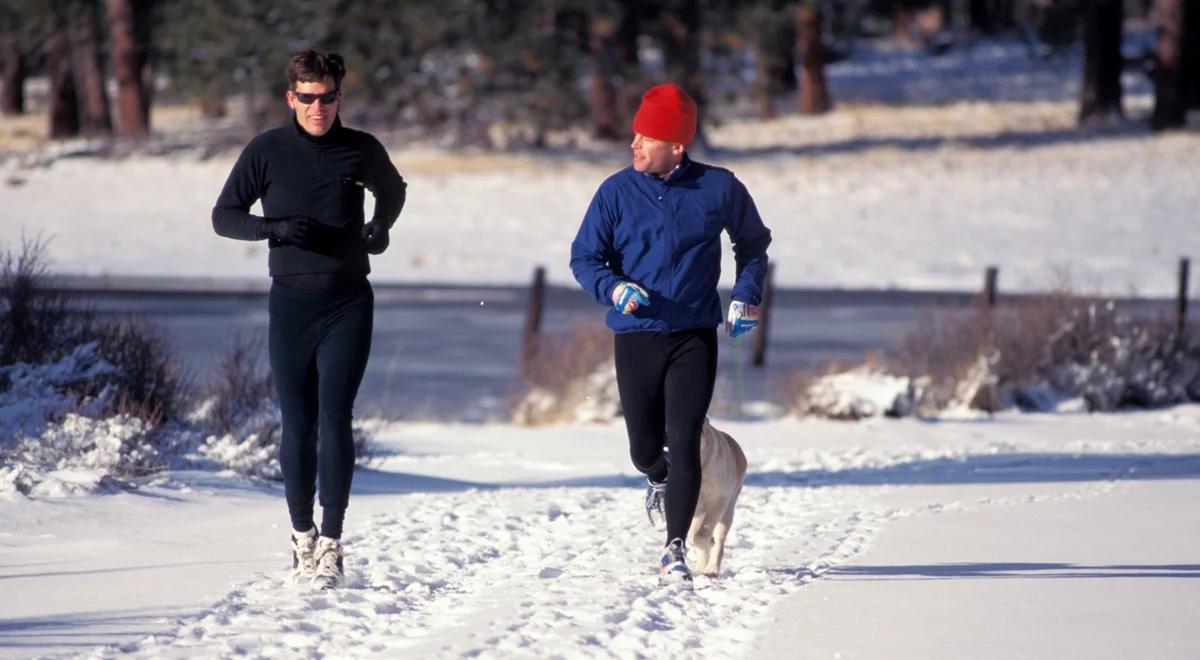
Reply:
x=722, y=471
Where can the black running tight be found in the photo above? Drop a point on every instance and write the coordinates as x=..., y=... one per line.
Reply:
x=666, y=383
x=319, y=342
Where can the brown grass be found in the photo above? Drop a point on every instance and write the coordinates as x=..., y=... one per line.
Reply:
x=558, y=366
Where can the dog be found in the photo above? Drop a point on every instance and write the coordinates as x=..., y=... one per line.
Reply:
x=722, y=471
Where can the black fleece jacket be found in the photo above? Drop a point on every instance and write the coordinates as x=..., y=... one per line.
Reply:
x=297, y=174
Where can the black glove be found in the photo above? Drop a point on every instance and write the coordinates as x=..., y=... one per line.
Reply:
x=296, y=230
x=375, y=235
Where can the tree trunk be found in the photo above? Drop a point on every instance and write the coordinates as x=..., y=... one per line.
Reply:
x=775, y=40
x=1189, y=57
x=602, y=94
x=212, y=101
x=814, y=95
x=12, y=86
x=1100, y=97
x=129, y=51
x=981, y=16
x=681, y=47
x=900, y=24
x=631, y=85
x=94, y=118
x=679, y=23
x=1169, y=103
x=64, y=105
x=761, y=90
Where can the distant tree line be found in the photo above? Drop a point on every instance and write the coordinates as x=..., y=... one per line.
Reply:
x=466, y=65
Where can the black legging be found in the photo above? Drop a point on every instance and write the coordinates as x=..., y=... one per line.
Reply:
x=319, y=343
x=666, y=383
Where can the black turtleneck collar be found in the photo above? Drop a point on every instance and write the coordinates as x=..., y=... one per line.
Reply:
x=321, y=139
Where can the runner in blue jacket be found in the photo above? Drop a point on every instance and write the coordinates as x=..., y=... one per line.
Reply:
x=650, y=246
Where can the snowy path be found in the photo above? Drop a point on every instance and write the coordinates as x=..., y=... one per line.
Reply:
x=564, y=568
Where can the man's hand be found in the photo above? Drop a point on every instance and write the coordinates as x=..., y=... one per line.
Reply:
x=743, y=317
x=627, y=297
x=296, y=230
x=375, y=235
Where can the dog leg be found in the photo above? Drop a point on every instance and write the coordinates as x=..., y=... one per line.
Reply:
x=713, y=568
x=720, y=532
x=700, y=536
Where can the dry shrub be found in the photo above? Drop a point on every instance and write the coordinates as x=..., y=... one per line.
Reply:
x=566, y=376
x=793, y=389
x=150, y=385
x=559, y=359
x=242, y=387
x=833, y=391
x=41, y=325
x=943, y=350
x=38, y=325
x=790, y=388
x=1114, y=360
x=1032, y=350
x=240, y=414
x=98, y=392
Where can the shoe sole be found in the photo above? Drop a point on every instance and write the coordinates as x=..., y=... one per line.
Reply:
x=325, y=585
x=675, y=574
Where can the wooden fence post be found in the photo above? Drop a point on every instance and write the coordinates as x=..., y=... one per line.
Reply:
x=1181, y=299
x=764, y=308
x=533, y=318
x=989, y=285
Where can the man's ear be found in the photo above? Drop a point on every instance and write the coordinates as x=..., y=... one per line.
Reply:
x=291, y=99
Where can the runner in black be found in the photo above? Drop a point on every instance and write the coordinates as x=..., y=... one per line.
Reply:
x=311, y=176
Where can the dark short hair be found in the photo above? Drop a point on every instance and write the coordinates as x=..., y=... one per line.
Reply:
x=313, y=66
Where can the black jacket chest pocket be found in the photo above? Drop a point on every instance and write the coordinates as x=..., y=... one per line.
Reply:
x=351, y=192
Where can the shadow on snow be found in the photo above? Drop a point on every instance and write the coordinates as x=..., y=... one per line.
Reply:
x=984, y=469
x=87, y=628
x=1025, y=139
x=1011, y=570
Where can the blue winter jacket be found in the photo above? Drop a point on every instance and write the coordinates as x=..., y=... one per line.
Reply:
x=665, y=235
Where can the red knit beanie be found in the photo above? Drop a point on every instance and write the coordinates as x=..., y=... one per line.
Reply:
x=667, y=113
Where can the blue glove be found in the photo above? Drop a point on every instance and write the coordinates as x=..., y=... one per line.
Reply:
x=743, y=317
x=627, y=297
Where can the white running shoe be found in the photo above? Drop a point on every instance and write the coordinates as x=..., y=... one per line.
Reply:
x=304, y=559
x=329, y=573
x=655, y=492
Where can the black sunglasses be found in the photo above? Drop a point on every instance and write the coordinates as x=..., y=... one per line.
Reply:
x=307, y=98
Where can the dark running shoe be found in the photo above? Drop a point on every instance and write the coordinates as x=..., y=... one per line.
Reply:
x=672, y=568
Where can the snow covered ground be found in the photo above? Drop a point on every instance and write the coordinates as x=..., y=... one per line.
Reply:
x=1022, y=535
